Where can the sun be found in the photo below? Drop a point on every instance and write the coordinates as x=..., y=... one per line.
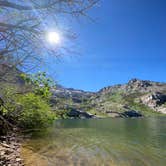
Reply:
x=53, y=37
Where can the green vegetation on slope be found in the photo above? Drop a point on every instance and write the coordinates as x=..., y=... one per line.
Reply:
x=108, y=104
x=29, y=108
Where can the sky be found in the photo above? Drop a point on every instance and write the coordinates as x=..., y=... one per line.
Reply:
x=127, y=40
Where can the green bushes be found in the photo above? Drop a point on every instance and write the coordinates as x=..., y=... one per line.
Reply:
x=29, y=109
x=35, y=112
x=40, y=83
x=62, y=114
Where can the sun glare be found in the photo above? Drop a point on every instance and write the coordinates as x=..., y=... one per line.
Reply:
x=53, y=37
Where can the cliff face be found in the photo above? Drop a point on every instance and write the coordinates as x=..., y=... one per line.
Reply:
x=155, y=101
x=137, y=97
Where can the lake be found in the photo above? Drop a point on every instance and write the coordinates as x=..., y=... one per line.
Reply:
x=99, y=142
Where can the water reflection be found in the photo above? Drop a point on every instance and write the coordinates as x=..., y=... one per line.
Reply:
x=109, y=141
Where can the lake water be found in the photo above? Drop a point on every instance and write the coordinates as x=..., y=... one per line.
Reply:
x=99, y=142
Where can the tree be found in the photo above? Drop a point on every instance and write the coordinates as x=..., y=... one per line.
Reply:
x=30, y=108
x=23, y=25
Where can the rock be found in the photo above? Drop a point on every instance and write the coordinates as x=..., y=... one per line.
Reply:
x=113, y=114
x=10, y=151
x=126, y=114
x=18, y=159
x=139, y=83
x=79, y=114
x=131, y=114
x=161, y=109
x=5, y=145
x=2, y=153
x=155, y=101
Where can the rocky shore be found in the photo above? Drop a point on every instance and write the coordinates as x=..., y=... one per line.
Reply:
x=10, y=150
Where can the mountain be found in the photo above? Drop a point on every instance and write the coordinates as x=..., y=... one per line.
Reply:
x=136, y=98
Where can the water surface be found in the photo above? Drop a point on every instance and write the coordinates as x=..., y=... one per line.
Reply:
x=107, y=142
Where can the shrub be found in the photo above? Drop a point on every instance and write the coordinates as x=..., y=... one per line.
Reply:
x=35, y=112
x=29, y=109
x=40, y=83
x=62, y=114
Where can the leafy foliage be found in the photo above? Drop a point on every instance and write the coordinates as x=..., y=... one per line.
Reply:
x=62, y=114
x=30, y=109
x=35, y=111
x=40, y=82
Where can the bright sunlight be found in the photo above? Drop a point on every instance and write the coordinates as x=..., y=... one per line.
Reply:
x=53, y=37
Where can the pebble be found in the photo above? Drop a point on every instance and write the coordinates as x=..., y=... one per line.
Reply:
x=10, y=151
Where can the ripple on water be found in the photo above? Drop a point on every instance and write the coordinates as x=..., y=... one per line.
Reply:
x=94, y=142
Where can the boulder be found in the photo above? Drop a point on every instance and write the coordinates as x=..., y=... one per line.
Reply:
x=126, y=114
x=74, y=113
x=131, y=114
x=155, y=101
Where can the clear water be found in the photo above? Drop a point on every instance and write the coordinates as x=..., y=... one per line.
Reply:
x=99, y=142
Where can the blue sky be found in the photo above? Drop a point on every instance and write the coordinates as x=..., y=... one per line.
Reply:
x=127, y=40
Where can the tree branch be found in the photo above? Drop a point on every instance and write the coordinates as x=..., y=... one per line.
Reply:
x=21, y=7
x=11, y=26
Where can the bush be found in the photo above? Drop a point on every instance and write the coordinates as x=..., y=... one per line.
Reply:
x=35, y=112
x=40, y=83
x=29, y=109
x=62, y=114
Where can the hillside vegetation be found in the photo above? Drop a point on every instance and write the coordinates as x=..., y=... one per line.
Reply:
x=24, y=100
x=143, y=97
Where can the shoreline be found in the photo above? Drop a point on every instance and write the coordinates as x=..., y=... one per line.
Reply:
x=10, y=150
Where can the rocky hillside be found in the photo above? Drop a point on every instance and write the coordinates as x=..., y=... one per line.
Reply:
x=136, y=98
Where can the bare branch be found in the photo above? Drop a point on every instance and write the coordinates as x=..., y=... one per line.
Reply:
x=22, y=29
x=11, y=26
x=23, y=7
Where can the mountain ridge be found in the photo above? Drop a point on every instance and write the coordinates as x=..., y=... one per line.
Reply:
x=143, y=94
